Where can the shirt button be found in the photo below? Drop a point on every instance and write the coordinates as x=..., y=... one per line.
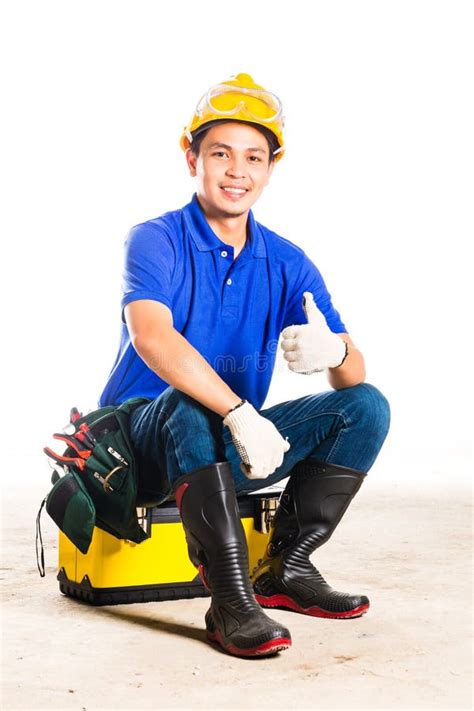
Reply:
x=223, y=253
x=229, y=281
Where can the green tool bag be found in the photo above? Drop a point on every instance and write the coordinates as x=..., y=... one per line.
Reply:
x=99, y=482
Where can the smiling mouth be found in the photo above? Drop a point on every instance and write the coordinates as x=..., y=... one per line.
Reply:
x=237, y=192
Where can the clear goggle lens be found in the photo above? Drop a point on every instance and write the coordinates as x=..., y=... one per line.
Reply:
x=228, y=100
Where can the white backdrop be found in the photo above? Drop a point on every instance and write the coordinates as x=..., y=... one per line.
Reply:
x=375, y=186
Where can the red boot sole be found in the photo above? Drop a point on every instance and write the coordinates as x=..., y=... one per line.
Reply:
x=285, y=601
x=267, y=648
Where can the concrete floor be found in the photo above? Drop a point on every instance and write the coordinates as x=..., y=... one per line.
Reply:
x=409, y=551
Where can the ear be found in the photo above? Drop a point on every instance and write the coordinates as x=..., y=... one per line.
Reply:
x=191, y=160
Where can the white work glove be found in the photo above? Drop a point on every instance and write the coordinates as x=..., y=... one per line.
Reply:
x=312, y=347
x=258, y=442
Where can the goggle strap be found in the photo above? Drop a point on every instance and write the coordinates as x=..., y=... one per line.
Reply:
x=189, y=136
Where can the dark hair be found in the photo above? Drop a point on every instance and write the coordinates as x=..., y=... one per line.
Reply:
x=200, y=133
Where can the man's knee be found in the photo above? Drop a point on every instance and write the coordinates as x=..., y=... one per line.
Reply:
x=171, y=398
x=372, y=405
x=173, y=401
x=188, y=416
x=191, y=435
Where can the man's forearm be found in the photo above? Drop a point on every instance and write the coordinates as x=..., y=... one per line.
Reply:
x=351, y=372
x=179, y=364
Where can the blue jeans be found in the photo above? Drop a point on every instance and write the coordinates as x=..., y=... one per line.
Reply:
x=174, y=434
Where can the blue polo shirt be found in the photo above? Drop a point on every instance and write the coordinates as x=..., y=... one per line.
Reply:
x=232, y=312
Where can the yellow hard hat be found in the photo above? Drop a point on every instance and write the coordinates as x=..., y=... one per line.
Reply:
x=238, y=99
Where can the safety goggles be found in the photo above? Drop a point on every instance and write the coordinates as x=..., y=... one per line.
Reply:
x=224, y=100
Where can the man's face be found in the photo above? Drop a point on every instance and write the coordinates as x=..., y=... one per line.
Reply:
x=231, y=170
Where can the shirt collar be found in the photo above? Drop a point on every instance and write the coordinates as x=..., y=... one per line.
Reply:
x=206, y=239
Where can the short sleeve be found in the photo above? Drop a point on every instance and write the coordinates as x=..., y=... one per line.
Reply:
x=310, y=279
x=149, y=265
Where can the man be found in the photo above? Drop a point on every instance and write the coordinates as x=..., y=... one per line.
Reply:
x=207, y=293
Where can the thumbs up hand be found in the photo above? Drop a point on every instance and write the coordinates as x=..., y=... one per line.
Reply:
x=312, y=347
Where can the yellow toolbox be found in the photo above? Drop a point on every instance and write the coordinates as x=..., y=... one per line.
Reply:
x=115, y=571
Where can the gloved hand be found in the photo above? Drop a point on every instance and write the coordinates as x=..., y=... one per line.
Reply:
x=312, y=347
x=258, y=442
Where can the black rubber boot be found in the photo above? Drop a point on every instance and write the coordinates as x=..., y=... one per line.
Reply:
x=311, y=506
x=218, y=547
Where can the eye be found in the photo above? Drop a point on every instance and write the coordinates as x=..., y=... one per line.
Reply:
x=219, y=154
x=255, y=159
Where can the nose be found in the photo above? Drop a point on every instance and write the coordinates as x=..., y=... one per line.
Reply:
x=236, y=167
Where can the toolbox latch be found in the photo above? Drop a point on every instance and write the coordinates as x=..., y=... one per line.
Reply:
x=265, y=509
x=144, y=518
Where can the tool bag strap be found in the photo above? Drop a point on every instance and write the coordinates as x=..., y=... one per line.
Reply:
x=39, y=539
